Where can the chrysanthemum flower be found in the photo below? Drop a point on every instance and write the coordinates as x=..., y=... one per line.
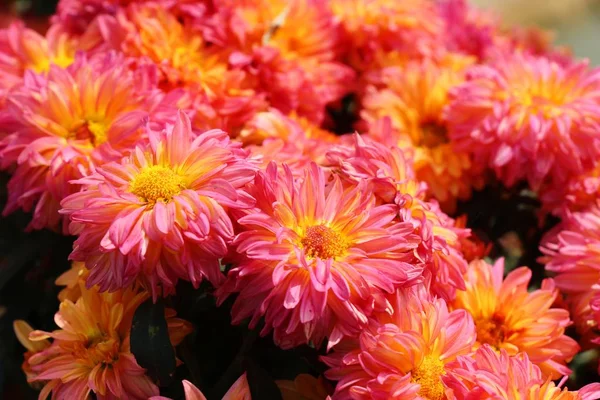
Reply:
x=224, y=97
x=90, y=352
x=286, y=139
x=509, y=317
x=528, y=118
x=71, y=280
x=404, y=355
x=572, y=252
x=291, y=48
x=579, y=193
x=468, y=29
x=68, y=122
x=22, y=331
x=22, y=49
x=314, y=255
x=490, y=374
x=414, y=97
x=410, y=26
x=388, y=170
x=161, y=214
x=75, y=16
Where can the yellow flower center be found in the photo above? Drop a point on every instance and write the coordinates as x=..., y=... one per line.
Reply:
x=98, y=129
x=323, y=242
x=94, y=131
x=156, y=183
x=433, y=135
x=428, y=376
x=491, y=330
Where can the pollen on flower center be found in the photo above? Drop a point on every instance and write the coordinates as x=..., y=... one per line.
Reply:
x=433, y=134
x=428, y=374
x=156, y=183
x=94, y=131
x=491, y=331
x=323, y=242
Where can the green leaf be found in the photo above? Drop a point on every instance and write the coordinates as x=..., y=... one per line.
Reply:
x=150, y=343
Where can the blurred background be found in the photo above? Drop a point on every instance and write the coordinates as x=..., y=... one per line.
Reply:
x=575, y=23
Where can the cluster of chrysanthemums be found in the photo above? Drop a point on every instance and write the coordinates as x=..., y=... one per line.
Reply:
x=175, y=138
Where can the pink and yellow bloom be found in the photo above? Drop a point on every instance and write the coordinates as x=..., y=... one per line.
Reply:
x=405, y=355
x=68, y=122
x=90, y=353
x=161, y=214
x=490, y=374
x=388, y=171
x=22, y=49
x=314, y=255
x=509, y=317
x=528, y=118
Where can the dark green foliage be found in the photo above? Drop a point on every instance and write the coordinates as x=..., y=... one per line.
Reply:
x=150, y=343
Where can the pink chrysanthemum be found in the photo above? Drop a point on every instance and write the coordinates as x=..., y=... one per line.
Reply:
x=406, y=355
x=75, y=16
x=388, y=170
x=314, y=255
x=578, y=194
x=528, y=118
x=509, y=317
x=161, y=214
x=67, y=122
x=490, y=374
x=572, y=253
x=467, y=29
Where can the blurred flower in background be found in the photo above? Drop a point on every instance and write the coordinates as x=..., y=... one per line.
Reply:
x=576, y=22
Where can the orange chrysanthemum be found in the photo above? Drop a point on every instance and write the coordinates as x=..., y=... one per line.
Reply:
x=490, y=374
x=222, y=97
x=414, y=97
x=509, y=317
x=314, y=256
x=90, y=353
x=406, y=355
x=528, y=118
x=161, y=214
